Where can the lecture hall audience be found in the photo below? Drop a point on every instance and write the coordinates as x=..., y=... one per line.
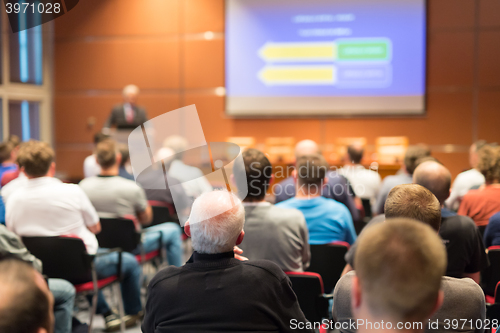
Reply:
x=218, y=289
x=116, y=197
x=47, y=207
x=271, y=232
x=463, y=298
x=213, y=291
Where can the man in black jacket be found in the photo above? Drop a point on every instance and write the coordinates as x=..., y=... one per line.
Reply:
x=213, y=291
x=127, y=115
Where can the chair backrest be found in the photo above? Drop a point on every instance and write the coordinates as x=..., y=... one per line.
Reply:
x=62, y=257
x=163, y=212
x=308, y=287
x=367, y=207
x=118, y=233
x=328, y=261
x=491, y=275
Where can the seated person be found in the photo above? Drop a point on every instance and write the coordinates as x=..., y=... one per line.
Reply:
x=412, y=156
x=399, y=279
x=365, y=182
x=272, y=233
x=337, y=187
x=191, y=177
x=8, y=155
x=125, y=162
x=492, y=231
x=464, y=245
x=90, y=166
x=406, y=201
x=468, y=179
x=482, y=203
x=213, y=291
x=157, y=191
x=327, y=220
x=47, y=207
x=62, y=291
x=19, y=181
x=25, y=300
x=114, y=196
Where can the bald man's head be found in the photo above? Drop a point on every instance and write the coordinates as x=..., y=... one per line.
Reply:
x=306, y=147
x=434, y=177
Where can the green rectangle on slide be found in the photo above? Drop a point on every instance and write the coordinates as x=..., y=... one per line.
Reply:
x=363, y=50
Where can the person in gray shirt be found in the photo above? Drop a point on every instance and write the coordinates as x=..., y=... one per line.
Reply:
x=273, y=233
x=413, y=156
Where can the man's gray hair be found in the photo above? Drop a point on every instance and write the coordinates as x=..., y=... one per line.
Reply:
x=216, y=221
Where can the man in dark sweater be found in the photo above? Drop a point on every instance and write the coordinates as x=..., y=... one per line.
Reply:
x=213, y=291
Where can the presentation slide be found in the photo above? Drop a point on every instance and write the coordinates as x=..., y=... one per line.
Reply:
x=325, y=57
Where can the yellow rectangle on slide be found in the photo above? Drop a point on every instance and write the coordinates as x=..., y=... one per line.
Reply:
x=297, y=75
x=309, y=51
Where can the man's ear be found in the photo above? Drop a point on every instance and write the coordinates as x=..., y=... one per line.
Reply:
x=325, y=182
x=439, y=302
x=271, y=181
x=52, y=170
x=355, y=293
x=240, y=237
x=118, y=158
x=294, y=175
x=187, y=229
x=41, y=330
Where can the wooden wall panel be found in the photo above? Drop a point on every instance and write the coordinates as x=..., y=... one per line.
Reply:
x=151, y=64
x=114, y=18
x=216, y=126
x=450, y=14
x=203, y=15
x=450, y=58
x=489, y=116
x=489, y=14
x=203, y=63
x=489, y=58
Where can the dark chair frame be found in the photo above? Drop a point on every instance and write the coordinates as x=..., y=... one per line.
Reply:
x=122, y=233
x=163, y=212
x=310, y=292
x=328, y=261
x=67, y=258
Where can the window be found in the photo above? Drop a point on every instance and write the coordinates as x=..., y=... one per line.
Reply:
x=24, y=120
x=26, y=54
x=26, y=83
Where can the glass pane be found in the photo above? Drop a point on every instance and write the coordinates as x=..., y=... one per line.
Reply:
x=24, y=119
x=26, y=64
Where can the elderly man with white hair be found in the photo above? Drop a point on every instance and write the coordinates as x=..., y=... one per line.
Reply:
x=127, y=115
x=213, y=291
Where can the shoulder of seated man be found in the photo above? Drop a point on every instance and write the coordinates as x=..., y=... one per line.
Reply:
x=266, y=266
